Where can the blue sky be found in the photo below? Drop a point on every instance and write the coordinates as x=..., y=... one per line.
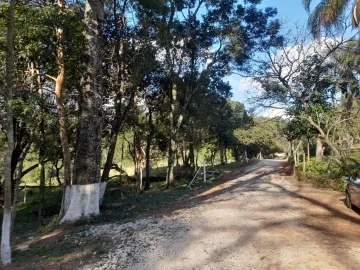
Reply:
x=290, y=12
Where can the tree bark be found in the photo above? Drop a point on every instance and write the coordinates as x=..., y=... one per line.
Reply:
x=87, y=164
x=221, y=155
x=291, y=154
x=308, y=150
x=42, y=145
x=191, y=154
x=138, y=160
x=148, y=149
x=5, y=233
x=19, y=175
x=57, y=169
x=172, y=140
x=319, y=149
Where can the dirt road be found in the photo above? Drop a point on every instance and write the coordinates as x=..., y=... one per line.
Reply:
x=261, y=220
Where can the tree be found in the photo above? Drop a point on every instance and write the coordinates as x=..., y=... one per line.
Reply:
x=5, y=233
x=85, y=189
x=261, y=135
x=327, y=13
x=59, y=84
x=199, y=47
x=298, y=75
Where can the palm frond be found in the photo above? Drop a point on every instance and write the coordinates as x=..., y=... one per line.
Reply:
x=306, y=4
x=326, y=14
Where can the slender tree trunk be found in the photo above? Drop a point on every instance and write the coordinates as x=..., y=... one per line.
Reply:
x=42, y=145
x=222, y=154
x=191, y=154
x=148, y=150
x=42, y=184
x=225, y=156
x=138, y=160
x=57, y=169
x=121, y=164
x=308, y=149
x=5, y=233
x=18, y=177
x=319, y=149
x=59, y=83
x=120, y=114
x=85, y=190
x=183, y=154
x=196, y=160
x=291, y=154
x=172, y=143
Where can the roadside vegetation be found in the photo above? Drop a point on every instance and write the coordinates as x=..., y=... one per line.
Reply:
x=108, y=109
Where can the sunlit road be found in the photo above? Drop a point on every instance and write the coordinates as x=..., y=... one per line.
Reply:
x=255, y=223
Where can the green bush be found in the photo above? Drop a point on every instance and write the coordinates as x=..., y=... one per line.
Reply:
x=317, y=174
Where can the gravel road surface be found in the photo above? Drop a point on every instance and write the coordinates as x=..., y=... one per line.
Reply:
x=260, y=220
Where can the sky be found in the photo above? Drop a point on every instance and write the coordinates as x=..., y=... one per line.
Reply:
x=290, y=12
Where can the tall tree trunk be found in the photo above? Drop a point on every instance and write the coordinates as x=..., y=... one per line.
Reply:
x=138, y=160
x=85, y=189
x=170, y=169
x=18, y=177
x=148, y=149
x=172, y=143
x=42, y=145
x=319, y=149
x=59, y=83
x=5, y=233
x=120, y=114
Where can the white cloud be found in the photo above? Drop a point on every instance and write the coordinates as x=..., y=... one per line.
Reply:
x=273, y=112
x=247, y=84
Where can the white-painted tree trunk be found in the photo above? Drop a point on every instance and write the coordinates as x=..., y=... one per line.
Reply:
x=65, y=201
x=67, y=198
x=102, y=191
x=5, y=238
x=84, y=202
x=6, y=225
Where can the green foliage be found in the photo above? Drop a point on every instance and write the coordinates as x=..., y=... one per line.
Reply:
x=319, y=175
x=316, y=168
x=264, y=135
